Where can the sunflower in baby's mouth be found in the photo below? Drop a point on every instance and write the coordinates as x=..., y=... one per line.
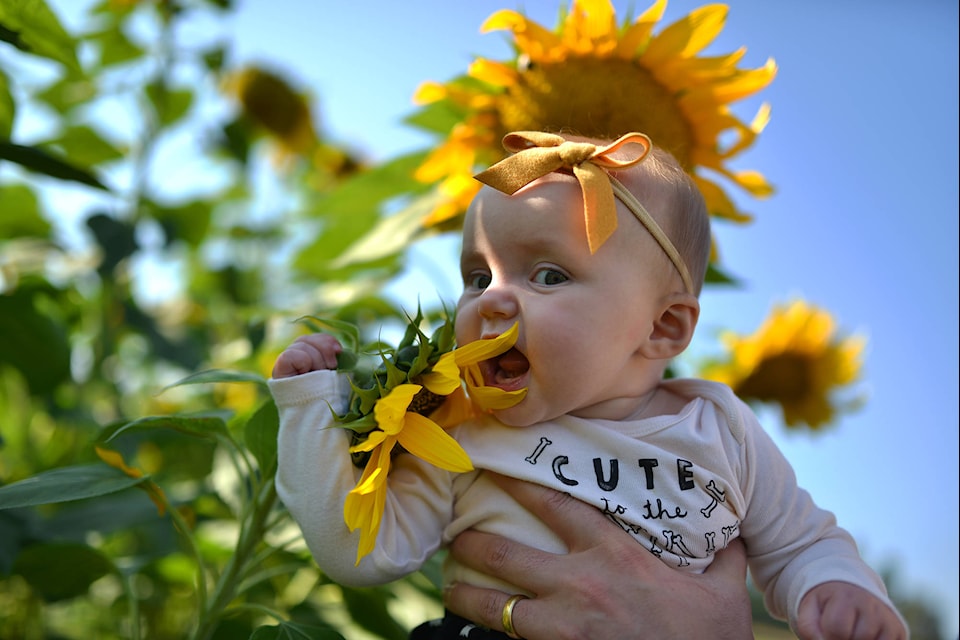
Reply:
x=505, y=371
x=494, y=370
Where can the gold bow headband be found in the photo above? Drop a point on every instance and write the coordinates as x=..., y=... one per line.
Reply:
x=535, y=154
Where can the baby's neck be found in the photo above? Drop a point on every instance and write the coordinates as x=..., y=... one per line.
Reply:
x=634, y=407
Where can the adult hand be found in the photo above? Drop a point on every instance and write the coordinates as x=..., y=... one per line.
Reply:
x=607, y=586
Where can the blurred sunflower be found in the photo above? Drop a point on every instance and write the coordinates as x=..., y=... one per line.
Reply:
x=597, y=79
x=795, y=359
x=271, y=106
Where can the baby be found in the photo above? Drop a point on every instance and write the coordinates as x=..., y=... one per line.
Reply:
x=604, y=290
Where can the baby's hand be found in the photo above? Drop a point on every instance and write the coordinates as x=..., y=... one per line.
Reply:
x=838, y=610
x=308, y=353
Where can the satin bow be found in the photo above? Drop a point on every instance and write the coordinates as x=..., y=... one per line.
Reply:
x=535, y=154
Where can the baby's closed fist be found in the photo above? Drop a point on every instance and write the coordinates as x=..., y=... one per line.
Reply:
x=314, y=352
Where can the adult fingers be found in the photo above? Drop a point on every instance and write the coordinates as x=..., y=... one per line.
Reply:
x=485, y=606
x=513, y=562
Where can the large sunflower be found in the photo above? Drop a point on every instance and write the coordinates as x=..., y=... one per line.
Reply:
x=596, y=78
x=795, y=359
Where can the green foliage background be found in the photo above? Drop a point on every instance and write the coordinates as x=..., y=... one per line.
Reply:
x=181, y=536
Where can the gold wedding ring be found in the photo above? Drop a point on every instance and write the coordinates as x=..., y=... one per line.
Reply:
x=506, y=618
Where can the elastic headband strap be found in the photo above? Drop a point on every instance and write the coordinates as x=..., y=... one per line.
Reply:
x=535, y=154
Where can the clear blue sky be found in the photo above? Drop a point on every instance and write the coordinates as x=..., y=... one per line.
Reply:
x=862, y=148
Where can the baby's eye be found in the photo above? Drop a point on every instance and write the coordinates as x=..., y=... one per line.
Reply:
x=549, y=277
x=478, y=280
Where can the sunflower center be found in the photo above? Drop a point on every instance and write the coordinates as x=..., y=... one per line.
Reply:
x=425, y=402
x=596, y=97
x=787, y=377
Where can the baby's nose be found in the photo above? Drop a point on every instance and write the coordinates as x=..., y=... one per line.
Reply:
x=498, y=301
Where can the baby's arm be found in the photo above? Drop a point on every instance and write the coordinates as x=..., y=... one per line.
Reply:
x=796, y=549
x=842, y=611
x=315, y=473
x=308, y=353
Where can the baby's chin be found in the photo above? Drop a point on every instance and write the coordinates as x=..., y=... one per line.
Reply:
x=522, y=415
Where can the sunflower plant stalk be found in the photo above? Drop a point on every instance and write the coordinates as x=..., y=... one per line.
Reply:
x=406, y=402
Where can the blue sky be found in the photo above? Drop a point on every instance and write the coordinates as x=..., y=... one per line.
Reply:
x=862, y=148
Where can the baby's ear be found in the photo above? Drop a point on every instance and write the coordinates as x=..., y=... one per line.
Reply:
x=673, y=330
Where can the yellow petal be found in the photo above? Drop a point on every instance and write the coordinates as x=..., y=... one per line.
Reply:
x=537, y=42
x=590, y=27
x=480, y=350
x=370, y=483
x=493, y=398
x=425, y=439
x=687, y=36
x=456, y=408
x=374, y=438
x=444, y=377
x=429, y=92
x=390, y=410
x=495, y=73
x=638, y=34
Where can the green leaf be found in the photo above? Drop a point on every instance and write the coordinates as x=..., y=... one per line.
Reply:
x=85, y=146
x=21, y=214
x=346, y=333
x=716, y=276
x=68, y=93
x=170, y=104
x=66, y=484
x=437, y=117
x=391, y=236
x=203, y=426
x=188, y=222
x=368, y=608
x=39, y=348
x=295, y=631
x=219, y=375
x=40, y=161
x=117, y=240
x=115, y=47
x=260, y=435
x=61, y=570
x=31, y=26
x=360, y=195
x=7, y=107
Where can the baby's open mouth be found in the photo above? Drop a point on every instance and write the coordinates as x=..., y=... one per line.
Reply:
x=506, y=370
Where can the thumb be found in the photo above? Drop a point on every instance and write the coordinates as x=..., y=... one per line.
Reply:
x=731, y=561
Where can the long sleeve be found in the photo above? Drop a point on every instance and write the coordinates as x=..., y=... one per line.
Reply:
x=792, y=544
x=315, y=474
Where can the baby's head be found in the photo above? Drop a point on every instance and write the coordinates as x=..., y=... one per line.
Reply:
x=667, y=192
x=604, y=288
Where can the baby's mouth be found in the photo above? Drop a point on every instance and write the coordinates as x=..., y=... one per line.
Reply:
x=505, y=371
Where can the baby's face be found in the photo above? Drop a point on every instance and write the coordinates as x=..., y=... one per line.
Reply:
x=582, y=317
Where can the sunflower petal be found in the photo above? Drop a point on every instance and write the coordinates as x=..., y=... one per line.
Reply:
x=444, y=376
x=489, y=398
x=374, y=439
x=480, y=350
x=456, y=408
x=687, y=36
x=391, y=410
x=494, y=73
x=539, y=43
x=425, y=439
